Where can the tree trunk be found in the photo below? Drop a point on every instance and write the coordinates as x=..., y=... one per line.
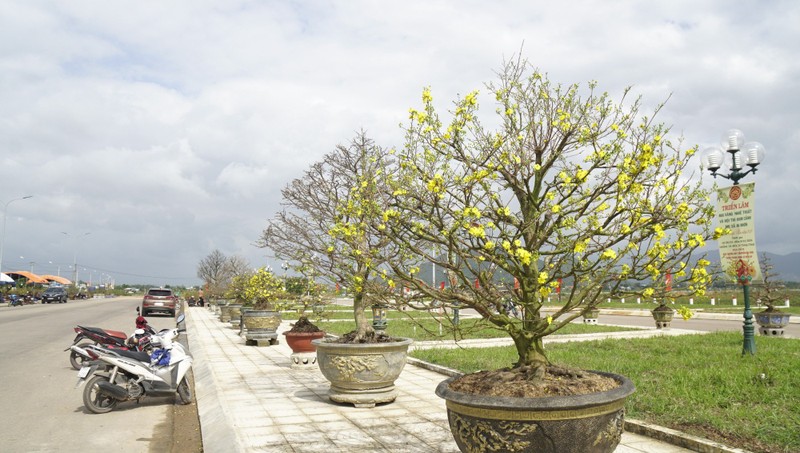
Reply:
x=363, y=325
x=531, y=353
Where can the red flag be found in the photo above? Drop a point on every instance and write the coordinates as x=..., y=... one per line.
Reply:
x=668, y=281
x=441, y=286
x=477, y=284
x=337, y=286
x=516, y=283
x=558, y=288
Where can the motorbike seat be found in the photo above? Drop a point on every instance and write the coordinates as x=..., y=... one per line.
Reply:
x=106, y=332
x=135, y=355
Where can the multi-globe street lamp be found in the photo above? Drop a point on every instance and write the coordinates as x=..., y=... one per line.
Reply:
x=738, y=155
x=3, y=238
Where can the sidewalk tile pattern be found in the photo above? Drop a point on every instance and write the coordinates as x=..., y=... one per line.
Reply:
x=250, y=400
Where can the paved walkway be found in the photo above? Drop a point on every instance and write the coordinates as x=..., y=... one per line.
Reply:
x=250, y=400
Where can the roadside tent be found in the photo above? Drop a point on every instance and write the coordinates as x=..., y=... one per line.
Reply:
x=57, y=279
x=32, y=278
x=5, y=279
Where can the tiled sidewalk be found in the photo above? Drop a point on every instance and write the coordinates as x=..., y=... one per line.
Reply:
x=250, y=400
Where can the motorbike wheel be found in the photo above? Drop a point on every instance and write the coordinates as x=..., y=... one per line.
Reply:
x=75, y=359
x=95, y=401
x=185, y=392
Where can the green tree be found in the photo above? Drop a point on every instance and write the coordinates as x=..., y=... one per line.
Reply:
x=570, y=186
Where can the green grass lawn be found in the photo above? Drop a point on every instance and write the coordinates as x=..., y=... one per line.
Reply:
x=698, y=384
x=428, y=329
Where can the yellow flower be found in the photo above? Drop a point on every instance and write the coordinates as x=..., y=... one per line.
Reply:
x=426, y=95
x=477, y=231
x=436, y=184
x=555, y=209
x=524, y=256
x=609, y=254
x=648, y=292
x=719, y=232
x=543, y=276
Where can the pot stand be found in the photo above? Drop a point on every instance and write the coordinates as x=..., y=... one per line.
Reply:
x=772, y=323
x=304, y=360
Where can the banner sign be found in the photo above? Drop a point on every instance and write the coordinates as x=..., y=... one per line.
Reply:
x=737, y=250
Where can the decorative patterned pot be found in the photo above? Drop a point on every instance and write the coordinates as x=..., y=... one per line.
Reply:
x=772, y=322
x=235, y=313
x=262, y=326
x=558, y=424
x=225, y=313
x=663, y=316
x=362, y=374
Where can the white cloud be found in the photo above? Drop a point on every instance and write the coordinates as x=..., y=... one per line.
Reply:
x=168, y=129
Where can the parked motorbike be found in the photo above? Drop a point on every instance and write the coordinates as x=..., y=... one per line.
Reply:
x=120, y=375
x=140, y=340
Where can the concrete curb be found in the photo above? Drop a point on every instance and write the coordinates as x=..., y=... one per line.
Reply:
x=216, y=430
x=678, y=438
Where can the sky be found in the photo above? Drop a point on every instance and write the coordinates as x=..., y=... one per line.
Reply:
x=166, y=130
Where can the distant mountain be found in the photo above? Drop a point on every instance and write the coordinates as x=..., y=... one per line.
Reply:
x=786, y=266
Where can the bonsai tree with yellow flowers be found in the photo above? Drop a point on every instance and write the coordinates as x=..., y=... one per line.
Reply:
x=566, y=187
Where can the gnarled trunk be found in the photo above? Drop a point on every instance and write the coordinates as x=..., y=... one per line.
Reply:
x=531, y=352
x=363, y=324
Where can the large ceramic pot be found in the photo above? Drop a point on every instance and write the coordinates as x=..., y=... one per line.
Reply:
x=663, y=316
x=225, y=313
x=362, y=374
x=235, y=313
x=558, y=424
x=262, y=326
x=772, y=322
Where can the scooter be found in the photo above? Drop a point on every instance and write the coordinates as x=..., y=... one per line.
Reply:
x=119, y=375
x=140, y=340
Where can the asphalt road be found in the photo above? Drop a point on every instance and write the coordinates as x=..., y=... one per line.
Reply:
x=42, y=409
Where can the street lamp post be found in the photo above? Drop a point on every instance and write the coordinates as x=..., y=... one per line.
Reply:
x=715, y=159
x=3, y=238
x=75, y=257
x=285, y=267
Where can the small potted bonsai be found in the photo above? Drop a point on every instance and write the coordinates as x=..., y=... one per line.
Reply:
x=235, y=297
x=299, y=338
x=662, y=315
x=261, y=313
x=771, y=321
